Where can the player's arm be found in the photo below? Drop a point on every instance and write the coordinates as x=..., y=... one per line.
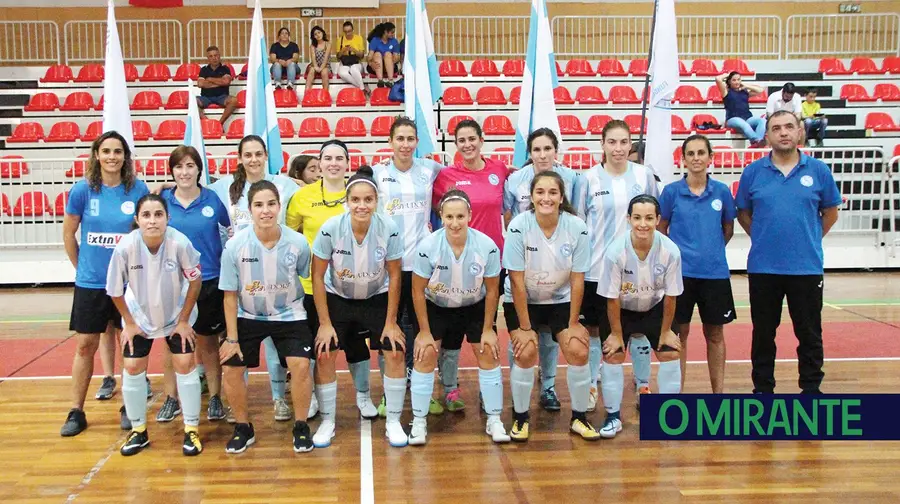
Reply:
x=829, y=218
x=70, y=228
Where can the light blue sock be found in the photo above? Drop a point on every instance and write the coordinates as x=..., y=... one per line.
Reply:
x=596, y=359
x=312, y=369
x=521, y=382
x=277, y=374
x=381, y=363
x=612, y=382
x=421, y=387
x=639, y=348
x=189, y=394
x=360, y=373
x=201, y=369
x=246, y=376
x=548, y=358
x=134, y=394
x=394, y=397
x=491, y=383
x=579, y=380
x=449, y=367
x=669, y=377
x=509, y=354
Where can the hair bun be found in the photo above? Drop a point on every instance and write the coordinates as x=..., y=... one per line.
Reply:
x=365, y=171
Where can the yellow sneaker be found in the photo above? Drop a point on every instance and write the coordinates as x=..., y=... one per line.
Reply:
x=191, y=445
x=584, y=429
x=519, y=431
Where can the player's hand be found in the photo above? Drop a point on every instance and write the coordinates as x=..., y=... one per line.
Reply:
x=423, y=341
x=395, y=336
x=489, y=344
x=128, y=333
x=188, y=337
x=613, y=344
x=228, y=350
x=521, y=339
x=580, y=333
x=669, y=339
x=325, y=337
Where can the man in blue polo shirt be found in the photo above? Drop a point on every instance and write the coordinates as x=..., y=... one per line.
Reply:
x=215, y=78
x=786, y=202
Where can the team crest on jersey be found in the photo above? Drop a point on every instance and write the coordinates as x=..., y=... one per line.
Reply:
x=207, y=211
x=806, y=180
x=475, y=269
x=659, y=269
x=493, y=179
x=422, y=179
x=628, y=288
x=636, y=189
x=290, y=259
x=716, y=205
x=566, y=249
x=380, y=253
x=128, y=207
x=170, y=265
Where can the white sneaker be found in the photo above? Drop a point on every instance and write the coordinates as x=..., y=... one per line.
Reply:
x=419, y=431
x=282, y=410
x=324, y=434
x=366, y=407
x=396, y=435
x=495, y=429
x=592, y=399
x=313, y=407
x=611, y=427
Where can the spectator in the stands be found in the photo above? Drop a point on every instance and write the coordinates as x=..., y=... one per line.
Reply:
x=351, y=51
x=383, y=53
x=215, y=78
x=788, y=99
x=636, y=154
x=813, y=119
x=305, y=170
x=320, y=55
x=736, y=97
x=284, y=56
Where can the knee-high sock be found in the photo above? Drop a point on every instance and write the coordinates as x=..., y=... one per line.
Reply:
x=201, y=369
x=491, y=383
x=612, y=383
x=669, y=377
x=579, y=380
x=548, y=358
x=394, y=396
x=421, y=387
x=277, y=373
x=360, y=373
x=521, y=382
x=134, y=393
x=596, y=359
x=449, y=368
x=326, y=394
x=381, y=363
x=509, y=355
x=312, y=370
x=189, y=394
x=639, y=347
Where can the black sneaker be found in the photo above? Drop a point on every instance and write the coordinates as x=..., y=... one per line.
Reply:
x=124, y=422
x=76, y=422
x=191, y=445
x=107, y=389
x=242, y=438
x=215, y=410
x=302, y=438
x=136, y=442
x=549, y=401
x=149, y=390
x=169, y=410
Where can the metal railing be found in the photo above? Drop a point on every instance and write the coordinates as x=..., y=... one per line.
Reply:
x=232, y=37
x=334, y=27
x=29, y=42
x=142, y=40
x=814, y=36
x=480, y=36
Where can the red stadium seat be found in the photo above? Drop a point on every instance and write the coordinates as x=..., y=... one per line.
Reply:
x=99, y=106
x=379, y=98
x=703, y=67
x=688, y=94
x=156, y=72
x=683, y=70
x=178, y=100
x=27, y=132
x=514, y=68
x=31, y=204
x=170, y=129
x=891, y=65
x=832, y=66
x=724, y=159
x=242, y=98
x=351, y=97
x=78, y=168
x=452, y=68
x=753, y=155
x=143, y=131
x=570, y=125
x=700, y=119
x=760, y=98
x=43, y=102
x=623, y=94
x=863, y=66
x=315, y=98
x=713, y=94
x=504, y=155
x=457, y=95
x=737, y=65
x=886, y=91
x=187, y=71
x=350, y=126
x=634, y=123
x=515, y=94
x=611, y=68
x=78, y=101
x=484, y=68
x=880, y=121
x=314, y=127
x=57, y=73
x=589, y=94
x=211, y=129
x=577, y=161
x=157, y=165
x=357, y=159
x=579, y=68
x=381, y=126
x=285, y=128
x=242, y=75
x=381, y=158
x=497, y=125
x=94, y=130
x=13, y=166
x=66, y=131
x=287, y=98
x=489, y=95
x=236, y=129
x=638, y=67
x=855, y=93
x=4, y=204
x=561, y=96
x=597, y=122
x=678, y=127
x=147, y=100
x=451, y=126
x=92, y=72
x=229, y=165
x=59, y=206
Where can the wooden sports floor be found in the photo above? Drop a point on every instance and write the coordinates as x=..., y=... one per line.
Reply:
x=460, y=463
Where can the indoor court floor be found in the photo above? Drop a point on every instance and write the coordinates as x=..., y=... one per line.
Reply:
x=459, y=463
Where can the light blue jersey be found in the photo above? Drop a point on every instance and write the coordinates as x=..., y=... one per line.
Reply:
x=457, y=281
x=547, y=262
x=266, y=280
x=405, y=197
x=357, y=270
x=602, y=201
x=641, y=285
x=154, y=285
x=240, y=212
x=517, y=189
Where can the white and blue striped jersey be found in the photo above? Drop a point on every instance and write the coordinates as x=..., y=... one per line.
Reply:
x=517, y=189
x=240, y=213
x=154, y=285
x=547, y=262
x=266, y=280
x=640, y=285
x=357, y=270
x=405, y=197
x=602, y=201
x=457, y=281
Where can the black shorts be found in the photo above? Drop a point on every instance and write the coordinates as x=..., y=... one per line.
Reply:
x=713, y=298
x=648, y=323
x=450, y=325
x=406, y=301
x=143, y=345
x=356, y=319
x=292, y=339
x=92, y=310
x=210, y=309
x=593, y=307
x=555, y=316
x=356, y=349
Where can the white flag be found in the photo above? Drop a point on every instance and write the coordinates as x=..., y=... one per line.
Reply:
x=193, y=134
x=663, y=83
x=421, y=80
x=259, y=117
x=116, y=107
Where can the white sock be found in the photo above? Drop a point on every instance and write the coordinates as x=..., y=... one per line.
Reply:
x=326, y=394
x=394, y=397
x=521, y=382
x=188, y=386
x=491, y=383
x=579, y=380
x=612, y=383
x=421, y=387
x=669, y=377
x=134, y=394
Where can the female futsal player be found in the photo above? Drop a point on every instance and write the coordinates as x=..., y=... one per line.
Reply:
x=154, y=279
x=547, y=253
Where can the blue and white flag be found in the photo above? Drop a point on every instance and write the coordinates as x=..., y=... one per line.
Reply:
x=116, y=107
x=193, y=134
x=259, y=117
x=664, y=81
x=422, y=82
x=536, y=107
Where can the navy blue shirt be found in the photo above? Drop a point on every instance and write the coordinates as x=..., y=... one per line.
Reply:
x=695, y=225
x=786, y=231
x=200, y=222
x=285, y=53
x=220, y=71
x=737, y=104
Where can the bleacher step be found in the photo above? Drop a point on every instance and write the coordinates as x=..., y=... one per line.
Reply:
x=17, y=84
x=13, y=100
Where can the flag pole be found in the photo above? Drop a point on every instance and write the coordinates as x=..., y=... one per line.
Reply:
x=646, y=93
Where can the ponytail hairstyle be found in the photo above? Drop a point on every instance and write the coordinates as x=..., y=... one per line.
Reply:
x=540, y=132
x=364, y=175
x=643, y=198
x=564, y=205
x=146, y=199
x=455, y=194
x=240, y=176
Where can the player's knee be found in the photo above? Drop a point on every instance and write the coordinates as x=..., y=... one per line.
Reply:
x=577, y=352
x=87, y=345
x=715, y=336
x=527, y=358
x=135, y=366
x=616, y=358
x=299, y=366
x=394, y=357
x=183, y=364
x=668, y=355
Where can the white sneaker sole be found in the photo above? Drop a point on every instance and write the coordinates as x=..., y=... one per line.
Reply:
x=242, y=450
x=607, y=435
x=319, y=443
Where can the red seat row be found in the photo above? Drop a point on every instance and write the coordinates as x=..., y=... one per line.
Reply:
x=34, y=204
x=860, y=66
x=493, y=95
x=856, y=93
x=156, y=72
x=584, y=68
